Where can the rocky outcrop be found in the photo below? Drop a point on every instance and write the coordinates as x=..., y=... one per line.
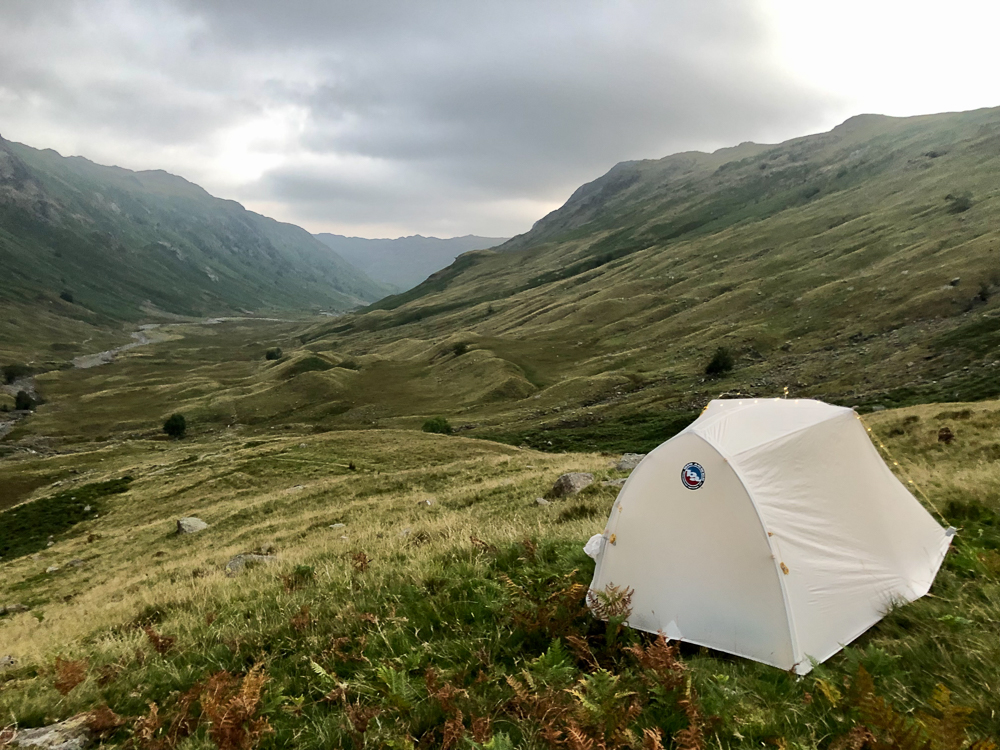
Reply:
x=190, y=525
x=570, y=484
x=72, y=734
x=242, y=562
x=629, y=461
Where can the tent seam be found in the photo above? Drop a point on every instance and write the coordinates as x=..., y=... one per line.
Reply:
x=777, y=437
x=793, y=634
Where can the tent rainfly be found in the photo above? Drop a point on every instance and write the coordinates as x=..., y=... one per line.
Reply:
x=769, y=529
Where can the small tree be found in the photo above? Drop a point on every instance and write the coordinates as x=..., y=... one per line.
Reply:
x=175, y=426
x=14, y=371
x=439, y=425
x=66, y=296
x=721, y=363
x=273, y=353
x=23, y=401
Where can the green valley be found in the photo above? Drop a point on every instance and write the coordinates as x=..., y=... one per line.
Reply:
x=383, y=561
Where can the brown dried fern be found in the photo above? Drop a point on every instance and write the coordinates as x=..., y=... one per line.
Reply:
x=162, y=644
x=230, y=705
x=69, y=674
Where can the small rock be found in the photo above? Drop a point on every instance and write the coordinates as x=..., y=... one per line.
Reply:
x=72, y=734
x=241, y=562
x=337, y=525
x=76, y=563
x=541, y=501
x=629, y=461
x=49, y=543
x=570, y=484
x=10, y=609
x=955, y=281
x=86, y=509
x=878, y=407
x=52, y=569
x=7, y=662
x=190, y=525
x=614, y=482
x=406, y=532
x=426, y=503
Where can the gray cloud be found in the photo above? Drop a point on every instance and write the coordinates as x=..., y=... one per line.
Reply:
x=393, y=117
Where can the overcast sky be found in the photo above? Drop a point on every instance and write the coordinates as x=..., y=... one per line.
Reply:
x=382, y=119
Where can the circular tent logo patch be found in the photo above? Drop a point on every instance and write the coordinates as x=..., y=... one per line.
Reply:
x=693, y=476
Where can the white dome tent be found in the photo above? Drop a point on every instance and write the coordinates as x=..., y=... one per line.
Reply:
x=769, y=529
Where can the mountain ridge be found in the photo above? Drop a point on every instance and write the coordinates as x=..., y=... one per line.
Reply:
x=404, y=261
x=104, y=245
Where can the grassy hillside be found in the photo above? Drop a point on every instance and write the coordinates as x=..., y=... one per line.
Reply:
x=859, y=265
x=419, y=596
x=87, y=247
x=457, y=623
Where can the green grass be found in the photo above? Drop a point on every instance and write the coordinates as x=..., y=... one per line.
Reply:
x=26, y=529
x=629, y=433
x=477, y=609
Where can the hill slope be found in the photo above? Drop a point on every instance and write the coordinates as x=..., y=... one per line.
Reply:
x=406, y=261
x=857, y=265
x=121, y=244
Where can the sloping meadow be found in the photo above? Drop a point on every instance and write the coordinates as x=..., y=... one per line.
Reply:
x=450, y=610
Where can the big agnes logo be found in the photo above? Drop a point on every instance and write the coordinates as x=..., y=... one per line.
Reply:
x=693, y=475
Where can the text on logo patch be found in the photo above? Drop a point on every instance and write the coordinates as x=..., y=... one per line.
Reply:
x=693, y=475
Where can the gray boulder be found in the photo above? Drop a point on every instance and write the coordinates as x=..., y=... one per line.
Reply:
x=190, y=525
x=629, y=461
x=11, y=609
x=570, y=484
x=241, y=562
x=72, y=734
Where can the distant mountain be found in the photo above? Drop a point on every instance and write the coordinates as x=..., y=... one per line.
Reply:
x=861, y=265
x=406, y=261
x=105, y=243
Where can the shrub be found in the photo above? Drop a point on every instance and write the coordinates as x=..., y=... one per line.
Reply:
x=23, y=401
x=439, y=425
x=175, y=426
x=273, y=353
x=66, y=296
x=460, y=348
x=958, y=203
x=14, y=371
x=721, y=363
